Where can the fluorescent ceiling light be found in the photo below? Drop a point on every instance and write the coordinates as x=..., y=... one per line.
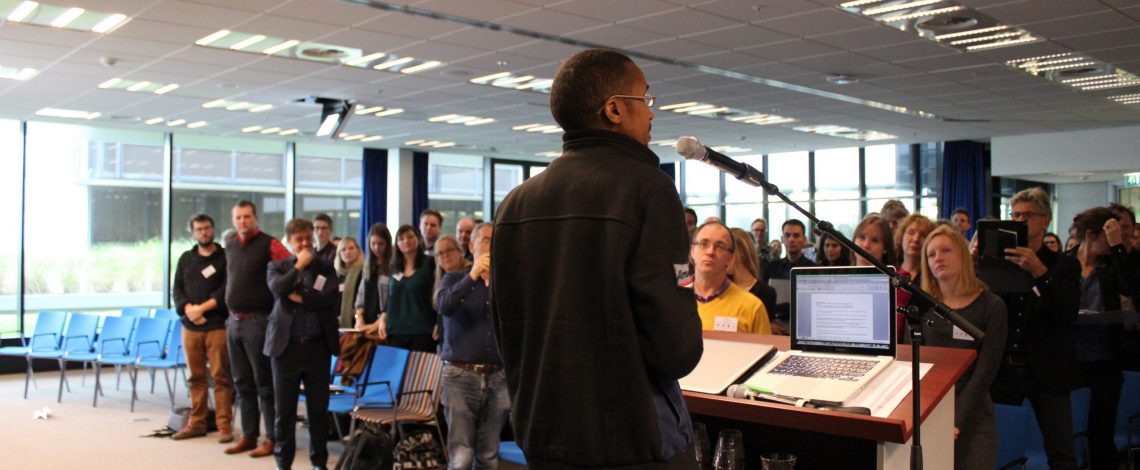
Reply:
x=214, y=104
x=369, y=110
x=899, y=6
x=270, y=130
x=67, y=17
x=461, y=119
x=365, y=59
x=709, y=111
x=911, y=16
x=689, y=109
x=678, y=105
x=166, y=89
x=22, y=11
x=537, y=83
x=353, y=137
x=858, y=3
x=138, y=86
x=328, y=125
x=985, y=38
x=443, y=145
x=524, y=127
x=238, y=105
x=244, y=43
x=251, y=129
x=502, y=82
x=1061, y=67
x=444, y=117
x=487, y=78
x=389, y=112
x=24, y=74
x=196, y=124
x=289, y=132
x=372, y=138
x=479, y=122
x=1002, y=43
x=176, y=122
x=393, y=63
x=280, y=47
x=970, y=32
x=431, y=64
x=110, y=83
x=213, y=37
x=260, y=108
x=67, y=113
x=414, y=142
x=110, y=23
x=153, y=121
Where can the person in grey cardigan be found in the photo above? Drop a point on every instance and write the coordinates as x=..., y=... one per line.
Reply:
x=948, y=275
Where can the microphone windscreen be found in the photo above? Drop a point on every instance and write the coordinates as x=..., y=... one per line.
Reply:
x=690, y=148
x=737, y=391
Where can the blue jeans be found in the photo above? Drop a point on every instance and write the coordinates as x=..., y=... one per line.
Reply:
x=476, y=407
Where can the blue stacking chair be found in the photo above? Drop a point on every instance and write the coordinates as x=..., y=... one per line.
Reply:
x=135, y=312
x=1128, y=414
x=509, y=451
x=1012, y=421
x=1079, y=400
x=173, y=357
x=165, y=313
x=377, y=386
x=148, y=343
x=45, y=337
x=114, y=344
x=79, y=337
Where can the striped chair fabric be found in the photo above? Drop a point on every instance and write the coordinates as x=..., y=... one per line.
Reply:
x=418, y=398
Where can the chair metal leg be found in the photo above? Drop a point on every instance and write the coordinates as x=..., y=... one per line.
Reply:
x=98, y=386
x=133, y=374
x=152, y=377
x=118, y=376
x=62, y=371
x=27, y=375
x=83, y=380
x=169, y=386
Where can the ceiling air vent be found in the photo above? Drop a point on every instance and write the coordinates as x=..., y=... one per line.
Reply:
x=947, y=24
x=323, y=53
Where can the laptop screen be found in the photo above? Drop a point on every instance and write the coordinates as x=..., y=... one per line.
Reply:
x=843, y=310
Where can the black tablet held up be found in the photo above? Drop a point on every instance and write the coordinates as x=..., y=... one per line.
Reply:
x=995, y=236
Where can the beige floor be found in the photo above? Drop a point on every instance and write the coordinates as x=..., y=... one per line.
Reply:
x=77, y=436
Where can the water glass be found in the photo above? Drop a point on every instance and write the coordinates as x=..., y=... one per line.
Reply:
x=729, y=451
x=701, y=445
x=778, y=461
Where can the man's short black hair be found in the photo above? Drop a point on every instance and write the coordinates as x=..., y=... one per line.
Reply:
x=690, y=211
x=200, y=217
x=323, y=217
x=247, y=203
x=795, y=222
x=298, y=225
x=434, y=212
x=961, y=210
x=583, y=83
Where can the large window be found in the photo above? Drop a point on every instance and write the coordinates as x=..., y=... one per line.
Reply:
x=11, y=156
x=788, y=171
x=743, y=203
x=330, y=181
x=702, y=189
x=930, y=186
x=837, y=187
x=93, y=218
x=455, y=186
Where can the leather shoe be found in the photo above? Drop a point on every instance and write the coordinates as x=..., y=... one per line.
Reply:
x=187, y=433
x=242, y=445
x=263, y=450
x=225, y=436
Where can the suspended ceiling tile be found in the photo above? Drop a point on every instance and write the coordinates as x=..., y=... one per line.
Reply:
x=734, y=36
x=332, y=12
x=815, y=23
x=679, y=48
x=608, y=10
x=196, y=14
x=550, y=22
x=616, y=36
x=790, y=50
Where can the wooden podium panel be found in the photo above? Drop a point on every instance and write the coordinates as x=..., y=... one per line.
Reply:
x=775, y=426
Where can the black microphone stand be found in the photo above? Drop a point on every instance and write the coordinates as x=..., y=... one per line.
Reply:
x=920, y=301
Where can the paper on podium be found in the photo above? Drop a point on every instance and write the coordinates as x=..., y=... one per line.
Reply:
x=884, y=394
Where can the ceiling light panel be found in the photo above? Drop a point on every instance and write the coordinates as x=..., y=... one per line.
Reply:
x=1131, y=99
x=510, y=81
x=377, y=111
x=845, y=132
x=461, y=119
x=17, y=73
x=429, y=143
x=942, y=21
x=231, y=105
x=73, y=18
x=68, y=113
x=274, y=130
x=1076, y=70
x=538, y=128
x=138, y=86
x=713, y=111
x=315, y=52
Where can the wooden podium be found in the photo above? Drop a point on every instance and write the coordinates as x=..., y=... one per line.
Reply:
x=835, y=440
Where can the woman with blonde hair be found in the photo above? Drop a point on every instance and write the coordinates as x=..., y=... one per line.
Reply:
x=745, y=273
x=349, y=262
x=948, y=275
x=448, y=258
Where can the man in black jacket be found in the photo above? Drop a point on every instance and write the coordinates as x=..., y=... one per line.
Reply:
x=300, y=340
x=1039, y=361
x=587, y=264
x=199, y=296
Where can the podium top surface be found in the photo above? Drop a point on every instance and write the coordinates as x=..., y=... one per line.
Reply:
x=949, y=365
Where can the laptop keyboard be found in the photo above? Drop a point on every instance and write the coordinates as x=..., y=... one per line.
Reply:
x=824, y=367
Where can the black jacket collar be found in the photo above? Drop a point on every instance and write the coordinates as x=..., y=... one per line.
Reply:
x=584, y=139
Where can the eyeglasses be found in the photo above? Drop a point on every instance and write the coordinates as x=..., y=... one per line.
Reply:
x=647, y=98
x=704, y=245
x=446, y=252
x=1025, y=215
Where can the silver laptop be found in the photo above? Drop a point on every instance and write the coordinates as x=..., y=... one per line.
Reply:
x=842, y=335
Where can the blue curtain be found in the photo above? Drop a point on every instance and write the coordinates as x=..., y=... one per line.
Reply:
x=963, y=179
x=419, y=186
x=374, y=197
x=670, y=169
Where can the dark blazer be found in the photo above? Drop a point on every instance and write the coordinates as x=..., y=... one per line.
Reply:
x=284, y=280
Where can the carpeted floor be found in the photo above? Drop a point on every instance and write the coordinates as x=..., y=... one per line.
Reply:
x=77, y=436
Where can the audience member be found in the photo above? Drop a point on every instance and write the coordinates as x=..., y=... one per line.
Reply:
x=463, y=230
x=1071, y=244
x=760, y=239
x=1103, y=282
x=948, y=275
x=593, y=341
x=893, y=211
x=776, y=249
x=349, y=264
x=324, y=246
x=430, y=223
x=690, y=219
x=961, y=220
x=873, y=235
x=448, y=258
x=1039, y=363
x=200, y=299
x=908, y=244
x=1136, y=236
x=248, y=252
x=372, y=299
x=745, y=274
x=1052, y=242
x=410, y=320
x=829, y=252
x=722, y=305
x=794, y=241
x=300, y=341
x=475, y=398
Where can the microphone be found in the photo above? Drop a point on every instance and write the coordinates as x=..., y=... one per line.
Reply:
x=691, y=149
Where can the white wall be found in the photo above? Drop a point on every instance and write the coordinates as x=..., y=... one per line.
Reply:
x=1071, y=199
x=1091, y=150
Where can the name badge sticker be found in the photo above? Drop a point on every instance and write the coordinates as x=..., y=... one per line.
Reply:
x=319, y=283
x=340, y=288
x=684, y=275
x=962, y=335
x=724, y=323
x=398, y=276
x=209, y=271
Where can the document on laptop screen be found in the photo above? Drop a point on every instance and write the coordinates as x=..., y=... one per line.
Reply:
x=842, y=317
